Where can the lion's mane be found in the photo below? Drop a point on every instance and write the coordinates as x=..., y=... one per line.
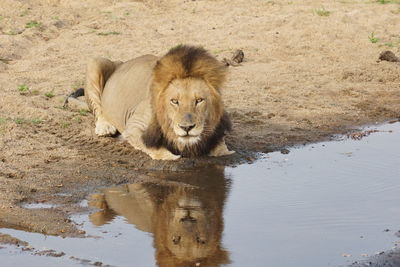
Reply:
x=179, y=63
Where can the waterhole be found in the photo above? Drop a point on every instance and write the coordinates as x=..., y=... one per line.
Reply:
x=325, y=204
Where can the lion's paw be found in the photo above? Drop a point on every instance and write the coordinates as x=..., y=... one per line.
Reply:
x=221, y=150
x=104, y=128
x=164, y=155
x=230, y=152
x=171, y=157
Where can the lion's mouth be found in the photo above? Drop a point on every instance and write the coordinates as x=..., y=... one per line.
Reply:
x=188, y=136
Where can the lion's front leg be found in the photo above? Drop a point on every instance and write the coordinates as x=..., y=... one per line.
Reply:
x=134, y=137
x=220, y=150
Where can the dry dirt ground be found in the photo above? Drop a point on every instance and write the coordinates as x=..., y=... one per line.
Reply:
x=311, y=70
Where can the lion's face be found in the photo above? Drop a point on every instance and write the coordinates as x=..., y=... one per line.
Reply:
x=191, y=231
x=191, y=107
x=188, y=115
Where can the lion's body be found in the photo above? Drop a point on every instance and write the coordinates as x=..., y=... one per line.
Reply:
x=128, y=89
x=167, y=107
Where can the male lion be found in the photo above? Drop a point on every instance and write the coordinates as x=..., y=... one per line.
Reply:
x=167, y=107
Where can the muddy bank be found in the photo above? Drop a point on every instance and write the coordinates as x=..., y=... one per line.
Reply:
x=9, y=240
x=305, y=77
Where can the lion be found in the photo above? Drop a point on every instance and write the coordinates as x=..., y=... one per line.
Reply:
x=168, y=107
x=185, y=216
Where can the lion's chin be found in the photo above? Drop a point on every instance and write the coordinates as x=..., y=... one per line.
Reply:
x=188, y=140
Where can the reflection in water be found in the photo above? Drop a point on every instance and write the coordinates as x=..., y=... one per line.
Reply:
x=183, y=211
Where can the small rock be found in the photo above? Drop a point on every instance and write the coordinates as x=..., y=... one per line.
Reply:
x=285, y=151
x=77, y=104
x=236, y=59
x=238, y=56
x=59, y=24
x=389, y=56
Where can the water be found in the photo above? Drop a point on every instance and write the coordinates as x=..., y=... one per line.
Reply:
x=326, y=204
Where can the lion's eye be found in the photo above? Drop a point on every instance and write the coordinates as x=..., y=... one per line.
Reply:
x=175, y=101
x=199, y=100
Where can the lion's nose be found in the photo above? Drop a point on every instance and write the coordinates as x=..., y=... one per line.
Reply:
x=187, y=128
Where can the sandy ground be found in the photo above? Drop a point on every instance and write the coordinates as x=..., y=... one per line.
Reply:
x=311, y=70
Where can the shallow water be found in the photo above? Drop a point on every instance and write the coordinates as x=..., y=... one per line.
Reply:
x=326, y=204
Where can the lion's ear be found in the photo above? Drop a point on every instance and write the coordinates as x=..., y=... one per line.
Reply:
x=153, y=136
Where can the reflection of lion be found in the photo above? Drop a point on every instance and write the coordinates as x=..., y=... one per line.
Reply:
x=187, y=221
x=188, y=230
x=166, y=107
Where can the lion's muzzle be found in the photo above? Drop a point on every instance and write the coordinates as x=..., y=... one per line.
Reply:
x=188, y=126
